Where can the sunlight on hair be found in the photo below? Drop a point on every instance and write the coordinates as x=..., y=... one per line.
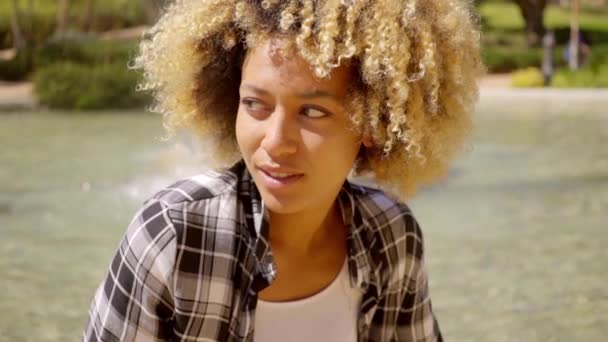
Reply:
x=418, y=62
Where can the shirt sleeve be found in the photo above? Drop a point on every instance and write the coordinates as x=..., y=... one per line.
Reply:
x=134, y=302
x=415, y=319
x=404, y=311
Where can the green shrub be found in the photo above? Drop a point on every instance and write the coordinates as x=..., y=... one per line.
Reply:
x=506, y=59
x=504, y=40
x=38, y=27
x=572, y=79
x=587, y=77
x=121, y=15
x=73, y=86
x=599, y=56
x=593, y=74
x=502, y=59
x=83, y=50
x=528, y=77
x=109, y=15
x=16, y=69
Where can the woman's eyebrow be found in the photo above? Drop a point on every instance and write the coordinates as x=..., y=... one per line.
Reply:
x=317, y=93
x=255, y=89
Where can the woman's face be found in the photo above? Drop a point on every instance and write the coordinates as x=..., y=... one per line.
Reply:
x=293, y=130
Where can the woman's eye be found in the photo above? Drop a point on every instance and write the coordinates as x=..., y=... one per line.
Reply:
x=314, y=113
x=252, y=104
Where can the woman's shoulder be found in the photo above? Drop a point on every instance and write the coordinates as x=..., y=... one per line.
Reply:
x=397, y=238
x=205, y=199
x=207, y=185
x=387, y=216
x=375, y=202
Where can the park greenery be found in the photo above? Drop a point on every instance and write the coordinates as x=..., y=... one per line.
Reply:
x=507, y=49
x=62, y=45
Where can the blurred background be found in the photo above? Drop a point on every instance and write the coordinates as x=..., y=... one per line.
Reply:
x=516, y=236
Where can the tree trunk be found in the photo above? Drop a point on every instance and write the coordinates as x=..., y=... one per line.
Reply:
x=152, y=9
x=533, y=13
x=574, y=44
x=30, y=18
x=18, y=38
x=62, y=17
x=88, y=19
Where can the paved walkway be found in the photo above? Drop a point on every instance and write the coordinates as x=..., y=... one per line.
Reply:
x=495, y=81
x=16, y=95
x=535, y=102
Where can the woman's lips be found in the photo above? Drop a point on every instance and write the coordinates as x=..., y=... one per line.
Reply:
x=277, y=181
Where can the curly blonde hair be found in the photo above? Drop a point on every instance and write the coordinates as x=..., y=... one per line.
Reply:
x=417, y=61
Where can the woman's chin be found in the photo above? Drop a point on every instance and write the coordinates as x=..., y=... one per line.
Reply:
x=281, y=205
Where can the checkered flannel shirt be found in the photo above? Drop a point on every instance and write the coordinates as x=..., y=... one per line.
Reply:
x=194, y=257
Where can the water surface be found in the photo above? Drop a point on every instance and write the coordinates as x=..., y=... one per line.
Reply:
x=516, y=237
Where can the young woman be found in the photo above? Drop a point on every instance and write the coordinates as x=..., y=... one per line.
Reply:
x=281, y=246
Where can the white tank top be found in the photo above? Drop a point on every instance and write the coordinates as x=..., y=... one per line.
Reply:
x=329, y=315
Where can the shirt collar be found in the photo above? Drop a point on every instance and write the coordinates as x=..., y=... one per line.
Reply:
x=257, y=227
x=359, y=237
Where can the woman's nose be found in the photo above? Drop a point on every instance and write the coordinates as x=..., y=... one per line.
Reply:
x=279, y=136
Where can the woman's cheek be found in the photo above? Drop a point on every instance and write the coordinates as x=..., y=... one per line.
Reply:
x=314, y=142
x=247, y=133
x=241, y=130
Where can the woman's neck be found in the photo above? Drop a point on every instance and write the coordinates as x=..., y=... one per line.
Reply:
x=304, y=233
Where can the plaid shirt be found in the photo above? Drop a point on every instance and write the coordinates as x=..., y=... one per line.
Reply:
x=194, y=257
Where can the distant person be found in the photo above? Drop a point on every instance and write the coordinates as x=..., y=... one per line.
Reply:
x=584, y=49
x=281, y=246
x=547, y=62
